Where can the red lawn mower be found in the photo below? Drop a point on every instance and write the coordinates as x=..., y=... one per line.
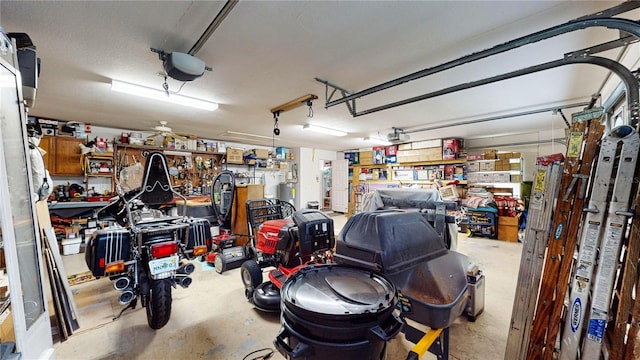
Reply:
x=288, y=245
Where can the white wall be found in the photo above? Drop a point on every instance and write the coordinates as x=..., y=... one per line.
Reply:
x=310, y=175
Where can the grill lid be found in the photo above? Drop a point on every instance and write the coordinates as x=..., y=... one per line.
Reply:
x=338, y=290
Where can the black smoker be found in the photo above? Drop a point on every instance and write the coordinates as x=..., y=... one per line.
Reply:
x=337, y=312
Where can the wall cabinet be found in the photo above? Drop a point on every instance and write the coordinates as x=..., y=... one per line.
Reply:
x=64, y=156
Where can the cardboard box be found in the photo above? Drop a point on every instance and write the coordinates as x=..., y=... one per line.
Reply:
x=72, y=232
x=417, y=145
x=502, y=165
x=353, y=157
x=379, y=155
x=451, y=148
x=508, y=228
x=485, y=178
x=516, y=178
x=281, y=153
x=6, y=326
x=473, y=166
x=502, y=178
x=391, y=150
x=430, y=154
x=234, y=156
x=260, y=153
x=490, y=154
x=487, y=166
x=406, y=146
x=403, y=175
x=366, y=158
x=422, y=174
x=475, y=156
x=449, y=170
x=79, y=221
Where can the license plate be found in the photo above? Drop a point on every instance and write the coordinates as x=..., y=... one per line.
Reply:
x=158, y=266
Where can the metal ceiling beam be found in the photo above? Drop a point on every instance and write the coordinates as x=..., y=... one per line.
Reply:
x=624, y=41
x=625, y=75
x=498, y=117
x=629, y=26
x=222, y=14
x=351, y=105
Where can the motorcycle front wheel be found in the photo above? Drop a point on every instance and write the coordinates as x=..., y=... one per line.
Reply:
x=159, y=304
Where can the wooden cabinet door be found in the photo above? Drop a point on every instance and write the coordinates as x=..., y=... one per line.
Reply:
x=68, y=157
x=47, y=143
x=239, y=222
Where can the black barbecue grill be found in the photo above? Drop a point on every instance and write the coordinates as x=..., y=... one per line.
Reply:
x=404, y=247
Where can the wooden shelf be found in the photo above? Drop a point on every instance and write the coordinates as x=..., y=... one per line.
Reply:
x=378, y=181
x=510, y=172
x=430, y=163
x=100, y=175
x=445, y=182
x=103, y=156
x=161, y=149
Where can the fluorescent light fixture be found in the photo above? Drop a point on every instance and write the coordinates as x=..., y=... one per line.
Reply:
x=242, y=135
x=324, y=130
x=157, y=94
x=377, y=141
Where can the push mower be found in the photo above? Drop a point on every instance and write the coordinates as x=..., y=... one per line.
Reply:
x=288, y=245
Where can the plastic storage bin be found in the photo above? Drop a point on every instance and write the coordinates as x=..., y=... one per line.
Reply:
x=71, y=246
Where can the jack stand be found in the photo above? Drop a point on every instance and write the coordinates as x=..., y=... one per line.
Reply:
x=132, y=305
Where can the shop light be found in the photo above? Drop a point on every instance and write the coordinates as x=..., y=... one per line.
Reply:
x=158, y=94
x=377, y=141
x=324, y=130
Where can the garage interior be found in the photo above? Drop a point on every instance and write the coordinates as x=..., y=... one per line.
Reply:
x=431, y=105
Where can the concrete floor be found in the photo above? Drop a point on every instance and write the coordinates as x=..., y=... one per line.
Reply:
x=213, y=320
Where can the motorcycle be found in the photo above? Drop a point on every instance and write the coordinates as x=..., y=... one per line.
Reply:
x=146, y=253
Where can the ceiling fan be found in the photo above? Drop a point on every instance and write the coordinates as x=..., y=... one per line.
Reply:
x=165, y=131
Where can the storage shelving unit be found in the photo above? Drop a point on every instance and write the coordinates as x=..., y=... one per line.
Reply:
x=98, y=165
x=499, y=182
x=396, y=175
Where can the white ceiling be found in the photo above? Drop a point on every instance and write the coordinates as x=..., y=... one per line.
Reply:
x=266, y=53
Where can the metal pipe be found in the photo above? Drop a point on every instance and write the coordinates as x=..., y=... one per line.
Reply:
x=626, y=76
x=226, y=9
x=565, y=118
x=497, y=117
x=629, y=26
